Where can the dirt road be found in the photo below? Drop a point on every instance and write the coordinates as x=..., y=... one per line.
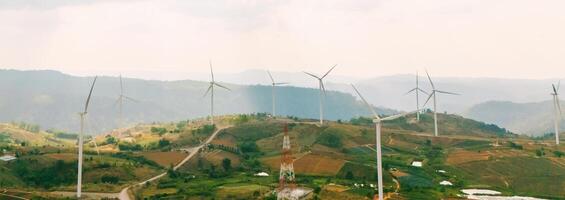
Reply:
x=124, y=195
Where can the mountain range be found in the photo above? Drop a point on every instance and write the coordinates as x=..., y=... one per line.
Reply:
x=526, y=118
x=52, y=99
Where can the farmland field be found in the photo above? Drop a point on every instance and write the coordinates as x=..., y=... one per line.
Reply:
x=165, y=159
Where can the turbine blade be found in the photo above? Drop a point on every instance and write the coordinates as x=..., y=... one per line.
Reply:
x=207, y=91
x=222, y=86
x=283, y=83
x=271, y=76
x=444, y=92
x=121, y=85
x=423, y=91
x=312, y=75
x=211, y=71
x=398, y=116
x=329, y=71
x=323, y=87
x=131, y=99
x=89, y=95
x=431, y=82
x=412, y=90
x=554, y=89
x=117, y=101
x=366, y=103
x=558, y=105
x=429, y=97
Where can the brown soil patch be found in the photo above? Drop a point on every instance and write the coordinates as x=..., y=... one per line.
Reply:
x=165, y=159
x=318, y=165
x=398, y=173
x=216, y=158
x=336, y=188
x=62, y=156
x=463, y=156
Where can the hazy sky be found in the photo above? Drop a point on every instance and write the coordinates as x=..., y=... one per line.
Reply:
x=167, y=39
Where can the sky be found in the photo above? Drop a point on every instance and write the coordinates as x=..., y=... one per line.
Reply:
x=171, y=40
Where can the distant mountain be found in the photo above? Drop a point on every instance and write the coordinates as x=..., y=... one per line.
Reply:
x=53, y=99
x=389, y=91
x=525, y=118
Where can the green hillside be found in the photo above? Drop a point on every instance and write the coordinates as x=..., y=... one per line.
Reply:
x=339, y=155
x=337, y=160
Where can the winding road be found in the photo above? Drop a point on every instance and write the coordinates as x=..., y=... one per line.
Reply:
x=124, y=194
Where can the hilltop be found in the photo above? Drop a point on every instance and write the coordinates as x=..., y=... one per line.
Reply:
x=23, y=134
x=52, y=99
x=539, y=116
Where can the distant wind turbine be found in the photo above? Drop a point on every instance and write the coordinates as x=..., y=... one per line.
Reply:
x=81, y=141
x=120, y=102
x=322, y=91
x=377, y=120
x=417, y=90
x=274, y=84
x=557, y=108
x=211, y=91
x=433, y=94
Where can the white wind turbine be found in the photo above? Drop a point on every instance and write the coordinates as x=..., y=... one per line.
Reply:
x=80, y=140
x=433, y=94
x=557, y=108
x=274, y=84
x=211, y=91
x=417, y=90
x=378, y=120
x=120, y=102
x=322, y=91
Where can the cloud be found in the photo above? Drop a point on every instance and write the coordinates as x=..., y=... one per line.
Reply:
x=468, y=37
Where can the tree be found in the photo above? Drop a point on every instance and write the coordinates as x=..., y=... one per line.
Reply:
x=539, y=152
x=558, y=154
x=226, y=164
x=171, y=172
x=317, y=189
x=163, y=143
x=331, y=138
x=111, y=140
x=349, y=175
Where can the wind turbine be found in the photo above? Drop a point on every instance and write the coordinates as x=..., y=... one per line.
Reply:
x=433, y=94
x=80, y=140
x=417, y=90
x=557, y=108
x=274, y=84
x=211, y=91
x=322, y=91
x=378, y=120
x=120, y=101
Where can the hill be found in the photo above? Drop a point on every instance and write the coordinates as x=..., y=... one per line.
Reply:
x=539, y=116
x=30, y=135
x=473, y=90
x=51, y=99
x=337, y=160
x=340, y=155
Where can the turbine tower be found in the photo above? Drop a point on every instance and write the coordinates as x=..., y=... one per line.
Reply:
x=274, y=84
x=322, y=91
x=378, y=120
x=80, y=140
x=120, y=102
x=286, y=175
x=557, y=108
x=433, y=94
x=417, y=90
x=211, y=91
